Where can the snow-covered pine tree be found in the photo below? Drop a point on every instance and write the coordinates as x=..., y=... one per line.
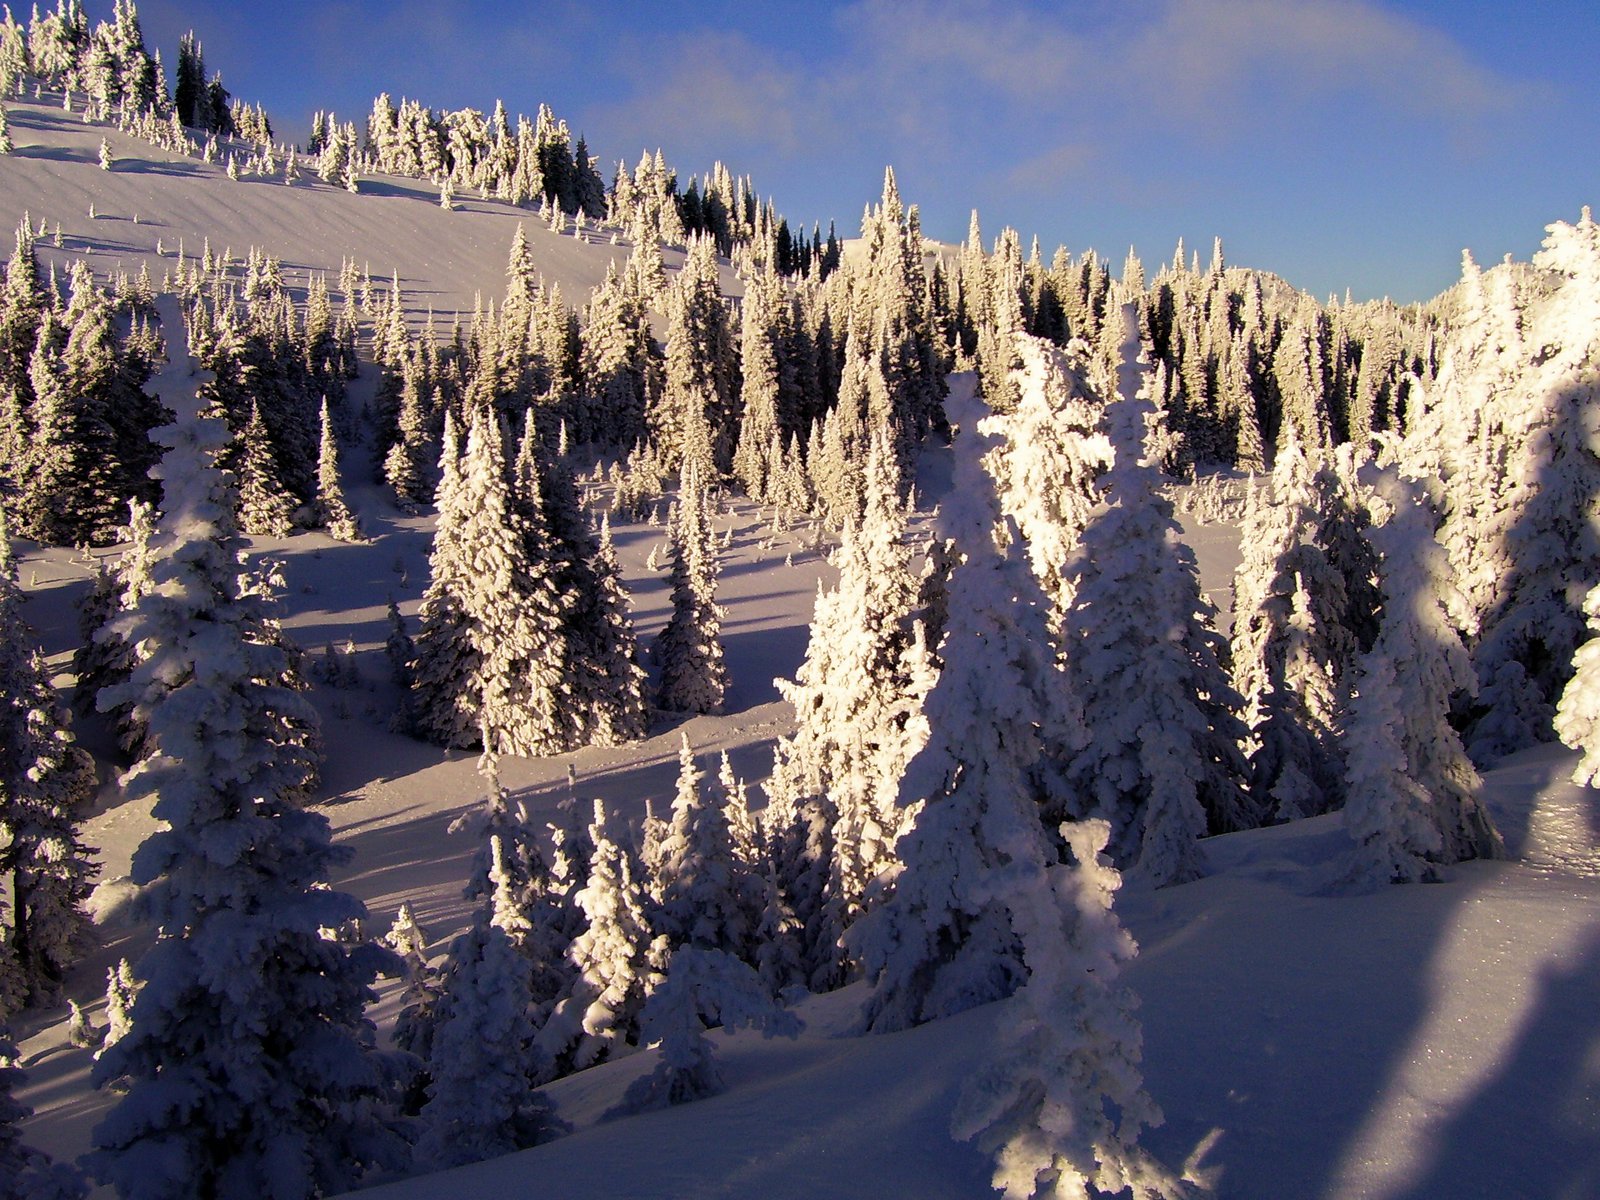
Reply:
x=619, y=713
x=948, y=939
x=618, y=960
x=504, y=829
x=249, y=1060
x=838, y=457
x=857, y=701
x=106, y=657
x=1062, y=1103
x=1505, y=424
x=81, y=1034
x=87, y=452
x=121, y=989
x=688, y=652
x=604, y=684
x=1292, y=652
x=618, y=360
x=1300, y=369
x=333, y=514
x=760, y=420
x=482, y=1101
x=266, y=507
x=1412, y=796
x=708, y=897
x=997, y=349
x=892, y=312
x=13, y=987
x=1163, y=761
x=408, y=465
x=701, y=985
x=694, y=419
x=46, y=780
x=406, y=938
x=742, y=833
x=1578, y=715
x=490, y=654
x=23, y=303
x=1049, y=466
x=797, y=843
x=68, y=452
x=1543, y=543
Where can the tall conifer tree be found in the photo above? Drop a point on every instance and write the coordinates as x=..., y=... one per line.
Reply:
x=688, y=653
x=249, y=1062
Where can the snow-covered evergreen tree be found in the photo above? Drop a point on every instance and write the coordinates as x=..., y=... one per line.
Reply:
x=857, y=699
x=1509, y=423
x=1578, y=715
x=408, y=465
x=1050, y=463
x=333, y=514
x=604, y=683
x=947, y=940
x=81, y=1034
x=266, y=507
x=1550, y=540
x=1061, y=1105
x=46, y=780
x=1163, y=761
x=619, y=360
x=249, y=1061
x=688, y=652
x=482, y=1102
x=13, y=987
x=406, y=938
x=86, y=450
x=618, y=959
x=1412, y=795
x=702, y=985
x=1292, y=652
x=693, y=422
x=105, y=657
x=707, y=895
x=121, y=989
x=490, y=655
x=760, y=419
x=891, y=310
x=619, y=713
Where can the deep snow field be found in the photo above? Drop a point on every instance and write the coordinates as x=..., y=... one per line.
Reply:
x=1423, y=1042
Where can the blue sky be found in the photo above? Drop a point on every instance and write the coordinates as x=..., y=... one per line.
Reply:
x=1346, y=144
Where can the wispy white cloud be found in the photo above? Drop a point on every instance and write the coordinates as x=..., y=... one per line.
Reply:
x=716, y=89
x=1225, y=66
x=1028, y=90
x=1052, y=168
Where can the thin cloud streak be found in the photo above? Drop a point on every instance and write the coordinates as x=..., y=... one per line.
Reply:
x=937, y=85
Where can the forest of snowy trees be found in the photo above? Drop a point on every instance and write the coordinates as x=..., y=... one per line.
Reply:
x=1007, y=707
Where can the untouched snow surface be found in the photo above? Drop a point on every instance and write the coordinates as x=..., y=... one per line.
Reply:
x=1419, y=1043
x=446, y=261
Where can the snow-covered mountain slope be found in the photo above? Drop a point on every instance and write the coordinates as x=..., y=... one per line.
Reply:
x=446, y=260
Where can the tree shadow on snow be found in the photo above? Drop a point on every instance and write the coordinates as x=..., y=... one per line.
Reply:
x=55, y=154
x=756, y=657
x=1533, y=1128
